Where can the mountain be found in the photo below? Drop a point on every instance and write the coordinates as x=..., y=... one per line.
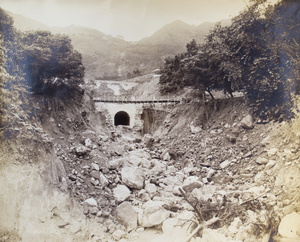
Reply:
x=107, y=57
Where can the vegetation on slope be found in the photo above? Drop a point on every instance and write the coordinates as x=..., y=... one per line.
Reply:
x=258, y=54
x=34, y=65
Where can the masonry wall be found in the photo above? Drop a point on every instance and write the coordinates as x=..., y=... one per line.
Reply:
x=134, y=111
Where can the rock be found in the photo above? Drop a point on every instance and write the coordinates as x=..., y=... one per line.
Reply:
x=262, y=161
x=134, y=160
x=72, y=177
x=91, y=202
x=82, y=150
x=247, y=122
x=119, y=234
x=127, y=216
x=148, y=140
x=205, y=193
x=270, y=164
x=103, y=180
x=190, y=183
x=225, y=164
x=272, y=152
x=210, y=173
x=95, y=174
x=166, y=157
x=133, y=177
x=144, y=196
x=154, y=213
x=95, y=166
x=139, y=215
x=256, y=190
x=94, y=210
x=116, y=163
x=151, y=188
x=164, y=154
x=289, y=226
x=95, y=182
x=159, y=167
x=116, y=149
x=195, y=129
x=121, y=193
x=88, y=143
x=231, y=137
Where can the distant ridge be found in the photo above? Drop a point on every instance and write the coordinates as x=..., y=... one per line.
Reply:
x=105, y=56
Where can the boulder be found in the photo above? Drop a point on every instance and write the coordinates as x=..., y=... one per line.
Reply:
x=270, y=164
x=151, y=188
x=225, y=164
x=119, y=234
x=133, y=177
x=289, y=226
x=88, y=143
x=247, y=122
x=190, y=183
x=205, y=193
x=91, y=202
x=134, y=160
x=82, y=150
x=148, y=140
x=95, y=167
x=103, y=180
x=127, y=216
x=95, y=174
x=115, y=163
x=154, y=213
x=262, y=161
x=121, y=193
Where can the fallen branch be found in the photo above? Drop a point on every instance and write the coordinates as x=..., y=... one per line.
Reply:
x=197, y=210
x=202, y=226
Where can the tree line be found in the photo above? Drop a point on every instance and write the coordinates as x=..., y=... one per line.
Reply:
x=257, y=54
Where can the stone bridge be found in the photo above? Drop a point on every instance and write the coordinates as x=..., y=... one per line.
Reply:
x=137, y=113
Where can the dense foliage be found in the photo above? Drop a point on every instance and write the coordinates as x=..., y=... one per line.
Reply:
x=34, y=63
x=257, y=54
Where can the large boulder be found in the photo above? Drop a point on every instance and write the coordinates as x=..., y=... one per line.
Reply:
x=132, y=177
x=127, y=216
x=289, y=226
x=121, y=193
x=247, y=122
x=154, y=213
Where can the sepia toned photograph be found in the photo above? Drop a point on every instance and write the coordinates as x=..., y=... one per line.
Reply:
x=150, y=121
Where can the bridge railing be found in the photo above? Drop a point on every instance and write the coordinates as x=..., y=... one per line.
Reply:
x=171, y=101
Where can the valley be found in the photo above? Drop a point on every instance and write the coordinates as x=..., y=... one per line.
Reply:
x=94, y=149
x=116, y=183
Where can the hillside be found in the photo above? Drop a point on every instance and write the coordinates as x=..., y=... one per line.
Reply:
x=108, y=57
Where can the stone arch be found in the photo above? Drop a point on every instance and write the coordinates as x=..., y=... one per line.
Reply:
x=121, y=118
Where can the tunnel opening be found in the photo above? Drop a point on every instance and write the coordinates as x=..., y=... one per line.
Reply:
x=121, y=118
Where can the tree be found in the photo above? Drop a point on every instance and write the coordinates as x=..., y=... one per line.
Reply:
x=51, y=64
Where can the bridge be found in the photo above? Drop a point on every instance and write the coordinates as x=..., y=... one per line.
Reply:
x=122, y=101
x=133, y=113
x=132, y=102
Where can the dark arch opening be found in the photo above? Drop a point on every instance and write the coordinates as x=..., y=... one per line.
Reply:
x=122, y=118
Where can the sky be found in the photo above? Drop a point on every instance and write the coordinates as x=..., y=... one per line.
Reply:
x=132, y=19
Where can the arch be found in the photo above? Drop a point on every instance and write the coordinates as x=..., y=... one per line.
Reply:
x=121, y=118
